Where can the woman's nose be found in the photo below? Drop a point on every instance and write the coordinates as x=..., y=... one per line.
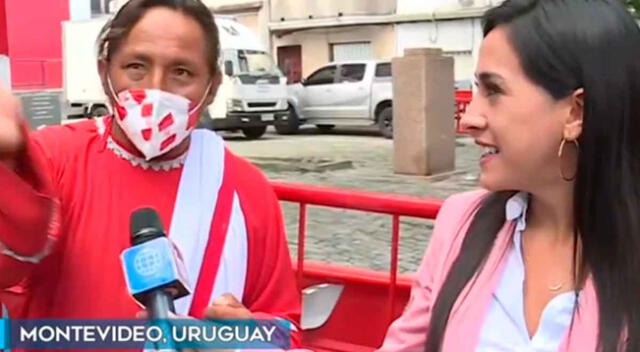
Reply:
x=472, y=120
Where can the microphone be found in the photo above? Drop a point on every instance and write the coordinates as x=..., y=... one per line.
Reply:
x=153, y=268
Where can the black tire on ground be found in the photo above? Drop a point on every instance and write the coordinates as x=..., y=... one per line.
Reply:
x=254, y=132
x=385, y=122
x=98, y=111
x=325, y=128
x=291, y=126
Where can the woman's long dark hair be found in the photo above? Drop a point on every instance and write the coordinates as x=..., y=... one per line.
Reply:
x=564, y=45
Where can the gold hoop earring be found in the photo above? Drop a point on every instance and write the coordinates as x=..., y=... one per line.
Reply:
x=560, y=151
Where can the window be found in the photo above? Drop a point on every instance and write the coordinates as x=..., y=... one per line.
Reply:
x=383, y=70
x=325, y=75
x=351, y=51
x=101, y=7
x=253, y=61
x=351, y=73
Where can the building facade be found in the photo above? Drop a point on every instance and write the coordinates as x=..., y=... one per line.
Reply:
x=301, y=34
x=306, y=34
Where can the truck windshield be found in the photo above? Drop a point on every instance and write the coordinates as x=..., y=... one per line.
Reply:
x=256, y=62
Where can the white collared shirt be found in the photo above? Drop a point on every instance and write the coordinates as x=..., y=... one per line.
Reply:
x=504, y=327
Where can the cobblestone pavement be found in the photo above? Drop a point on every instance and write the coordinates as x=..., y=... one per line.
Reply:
x=355, y=159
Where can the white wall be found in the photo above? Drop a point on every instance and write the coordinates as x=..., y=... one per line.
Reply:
x=316, y=43
x=5, y=72
x=459, y=38
x=292, y=10
x=216, y=3
x=79, y=10
x=454, y=35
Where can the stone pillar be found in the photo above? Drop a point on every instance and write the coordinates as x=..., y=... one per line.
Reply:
x=423, y=112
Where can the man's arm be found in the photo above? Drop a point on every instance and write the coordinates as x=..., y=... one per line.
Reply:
x=26, y=222
x=26, y=202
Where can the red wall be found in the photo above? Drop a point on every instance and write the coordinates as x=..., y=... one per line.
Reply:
x=35, y=42
x=4, y=47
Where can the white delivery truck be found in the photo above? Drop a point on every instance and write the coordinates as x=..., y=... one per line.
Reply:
x=252, y=96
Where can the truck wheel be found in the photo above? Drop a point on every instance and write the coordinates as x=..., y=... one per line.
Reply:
x=254, y=132
x=385, y=122
x=290, y=126
x=98, y=111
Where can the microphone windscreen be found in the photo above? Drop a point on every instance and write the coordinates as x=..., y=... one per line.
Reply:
x=145, y=225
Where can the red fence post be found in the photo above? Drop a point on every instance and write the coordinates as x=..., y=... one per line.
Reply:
x=395, y=247
x=463, y=98
x=302, y=234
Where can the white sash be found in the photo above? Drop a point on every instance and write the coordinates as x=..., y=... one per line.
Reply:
x=191, y=222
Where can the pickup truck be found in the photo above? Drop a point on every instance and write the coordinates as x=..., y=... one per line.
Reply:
x=353, y=93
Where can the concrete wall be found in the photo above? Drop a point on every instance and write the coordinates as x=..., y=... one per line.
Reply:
x=250, y=20
x=316, y=43
x=458, y=38
x=253, y=14
x=422, y=6
x=302, y=9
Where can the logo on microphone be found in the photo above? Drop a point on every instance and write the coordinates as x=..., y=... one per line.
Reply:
x=150, y=265
x=147, y=262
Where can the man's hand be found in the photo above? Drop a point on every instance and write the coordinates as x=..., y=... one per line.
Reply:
x=11, y=138
x=227, y=307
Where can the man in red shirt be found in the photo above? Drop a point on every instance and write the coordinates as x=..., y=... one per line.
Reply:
x=68, y=191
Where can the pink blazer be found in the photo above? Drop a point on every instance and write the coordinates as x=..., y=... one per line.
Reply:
x=408, y=333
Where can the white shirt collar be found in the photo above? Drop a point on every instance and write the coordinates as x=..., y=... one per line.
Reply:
x=516, y=209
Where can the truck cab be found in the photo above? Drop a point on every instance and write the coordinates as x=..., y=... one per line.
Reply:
x=354, y=93
x=253, y=93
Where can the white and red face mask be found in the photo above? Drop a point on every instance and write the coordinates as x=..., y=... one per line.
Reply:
x=155, y=121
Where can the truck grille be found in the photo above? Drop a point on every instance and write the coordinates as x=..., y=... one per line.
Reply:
x=262, y=105
x=267, y=79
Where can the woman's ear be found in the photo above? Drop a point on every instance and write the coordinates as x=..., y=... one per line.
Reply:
x=573, y=124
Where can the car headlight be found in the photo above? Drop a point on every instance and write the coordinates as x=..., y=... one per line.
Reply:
x=234, y=105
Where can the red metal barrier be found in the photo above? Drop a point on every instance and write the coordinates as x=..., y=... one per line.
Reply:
x=383, y=203
x=463, y=98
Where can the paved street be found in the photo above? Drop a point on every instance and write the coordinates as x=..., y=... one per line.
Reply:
x=355, y=159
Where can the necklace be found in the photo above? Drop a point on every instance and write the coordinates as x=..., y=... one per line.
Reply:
x=551, y=287
x=554, y=288
x=165, y=165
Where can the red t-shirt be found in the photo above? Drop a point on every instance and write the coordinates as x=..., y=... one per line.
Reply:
x=96, y=192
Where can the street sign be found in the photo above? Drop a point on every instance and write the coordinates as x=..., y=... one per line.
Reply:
x=41, y=108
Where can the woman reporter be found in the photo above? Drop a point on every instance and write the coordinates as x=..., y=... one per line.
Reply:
x=545, y=258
